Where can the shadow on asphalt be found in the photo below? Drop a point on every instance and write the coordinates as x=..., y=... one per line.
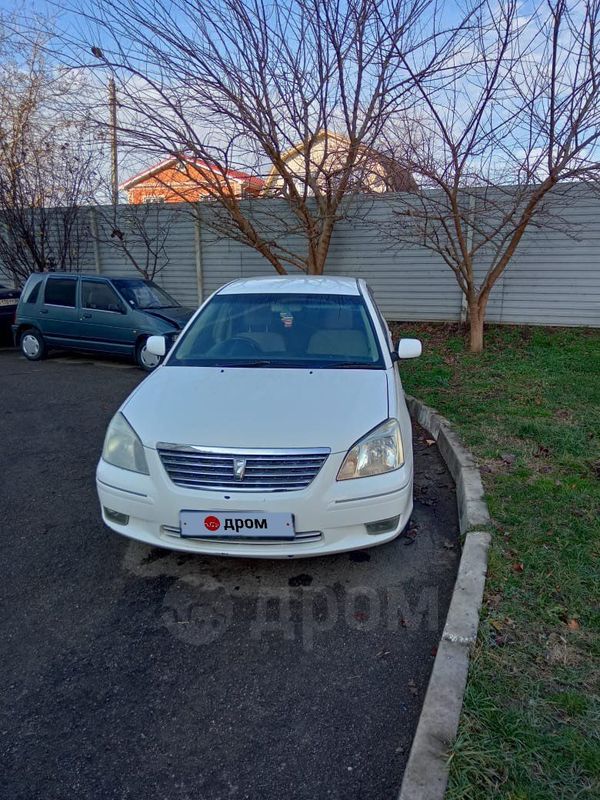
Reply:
x=134, y=672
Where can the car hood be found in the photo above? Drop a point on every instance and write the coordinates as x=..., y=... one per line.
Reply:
x=258, y=408
x=178, y=315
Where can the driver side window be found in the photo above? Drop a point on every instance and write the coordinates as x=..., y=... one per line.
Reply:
x=100, y=297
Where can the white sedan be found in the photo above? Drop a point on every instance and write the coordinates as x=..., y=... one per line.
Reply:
x=276, y=427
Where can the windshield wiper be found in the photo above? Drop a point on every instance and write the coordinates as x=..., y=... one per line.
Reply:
x=264, y=362
x=256, y=363
x=348, y=365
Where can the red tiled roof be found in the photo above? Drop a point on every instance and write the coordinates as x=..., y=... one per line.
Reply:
x=235, y=174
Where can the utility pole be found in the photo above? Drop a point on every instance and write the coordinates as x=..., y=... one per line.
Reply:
x=114, y=171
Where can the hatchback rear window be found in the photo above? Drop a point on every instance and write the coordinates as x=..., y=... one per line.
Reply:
x=60, y=292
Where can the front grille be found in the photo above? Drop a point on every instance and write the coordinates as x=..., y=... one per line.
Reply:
x=266, y=471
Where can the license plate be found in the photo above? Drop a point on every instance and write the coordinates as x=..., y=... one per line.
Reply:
x=236, y=525
x=9, y=301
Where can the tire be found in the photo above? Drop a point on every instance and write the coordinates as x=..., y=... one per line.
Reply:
x=32, y=345
x=145, y=360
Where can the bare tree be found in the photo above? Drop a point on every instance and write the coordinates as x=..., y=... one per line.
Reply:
x=237, y=83
x=140, y=233
x=47, y=165
x=500, y=134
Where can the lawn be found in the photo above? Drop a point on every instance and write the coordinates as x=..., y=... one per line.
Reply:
x=529, y=409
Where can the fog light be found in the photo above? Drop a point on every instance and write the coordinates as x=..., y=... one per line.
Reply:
x=382, y=525
x=116, y=516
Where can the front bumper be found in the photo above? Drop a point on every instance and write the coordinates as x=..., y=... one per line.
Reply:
x=329, y=516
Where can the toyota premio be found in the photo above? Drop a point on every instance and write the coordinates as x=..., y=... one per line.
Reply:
x=275, y=427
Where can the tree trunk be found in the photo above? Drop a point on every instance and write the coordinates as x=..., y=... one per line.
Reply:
x=318, y=256
x=476, y=318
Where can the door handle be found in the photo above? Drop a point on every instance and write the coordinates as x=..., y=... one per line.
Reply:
x=44, y=310
x=86, y=316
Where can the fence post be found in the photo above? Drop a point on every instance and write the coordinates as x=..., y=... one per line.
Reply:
x=198, y=254
x=94, y=227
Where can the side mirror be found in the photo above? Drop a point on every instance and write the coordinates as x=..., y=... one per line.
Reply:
x=156, y=345
x=409, y=348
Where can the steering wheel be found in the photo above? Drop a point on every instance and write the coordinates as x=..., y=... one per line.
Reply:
x=240, y=346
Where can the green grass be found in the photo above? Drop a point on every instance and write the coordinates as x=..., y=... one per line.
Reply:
x=529, y=409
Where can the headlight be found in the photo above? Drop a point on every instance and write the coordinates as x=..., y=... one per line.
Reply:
x=122, y=447
x=378, y=452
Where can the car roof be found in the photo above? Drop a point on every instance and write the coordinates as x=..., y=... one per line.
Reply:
x=292, y=284
x=91, y=276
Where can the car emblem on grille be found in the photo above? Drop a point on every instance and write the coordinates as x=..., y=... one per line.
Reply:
x=239, y=468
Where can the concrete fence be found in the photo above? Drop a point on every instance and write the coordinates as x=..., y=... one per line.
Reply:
x=554, y=278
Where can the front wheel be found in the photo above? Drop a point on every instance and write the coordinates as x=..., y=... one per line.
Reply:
x=145, y=360
x=33, y=345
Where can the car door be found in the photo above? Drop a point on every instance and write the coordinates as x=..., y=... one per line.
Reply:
x=106, y=323
x=58, y=314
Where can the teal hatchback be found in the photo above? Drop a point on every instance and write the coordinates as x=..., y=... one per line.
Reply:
x=95, y=314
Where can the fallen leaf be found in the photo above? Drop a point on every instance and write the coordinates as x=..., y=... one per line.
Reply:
x=496, y=624
x=410, y=535
x=429, y=442
x=518, y=566
x=573, y=625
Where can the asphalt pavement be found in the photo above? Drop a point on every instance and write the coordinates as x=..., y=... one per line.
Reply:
x=134, y=673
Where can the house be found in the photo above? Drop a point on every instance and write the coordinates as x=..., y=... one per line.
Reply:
x=177, y=179
x=374, y=171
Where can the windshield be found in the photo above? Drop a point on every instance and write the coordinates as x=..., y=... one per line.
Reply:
x=281, y=330
x=144, y=294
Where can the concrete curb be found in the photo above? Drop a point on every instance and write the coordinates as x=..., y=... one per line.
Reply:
x=426, y=774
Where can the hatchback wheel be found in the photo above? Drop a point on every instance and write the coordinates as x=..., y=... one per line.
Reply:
x=33, y=345
x=145, y=360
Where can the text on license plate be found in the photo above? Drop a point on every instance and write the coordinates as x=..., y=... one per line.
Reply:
x=9, y=301
x=236, y=524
